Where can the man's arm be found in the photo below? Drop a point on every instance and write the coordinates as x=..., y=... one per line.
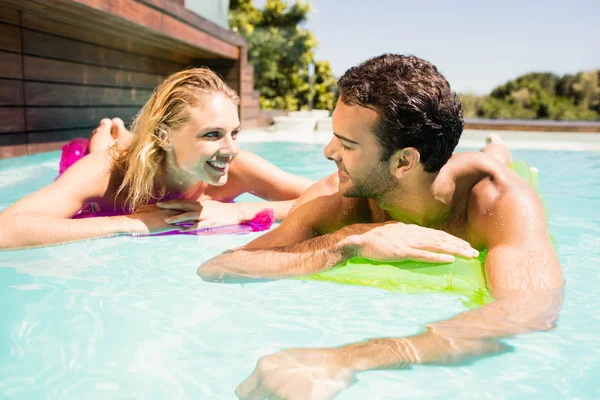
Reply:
x=524, y=277
x=292, y=249
x=301, y=246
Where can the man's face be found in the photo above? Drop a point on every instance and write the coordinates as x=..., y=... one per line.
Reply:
x=356, y=152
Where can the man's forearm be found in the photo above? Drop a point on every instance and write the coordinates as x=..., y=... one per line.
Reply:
x=467, y=335
x=311, y=256
x=427, y=348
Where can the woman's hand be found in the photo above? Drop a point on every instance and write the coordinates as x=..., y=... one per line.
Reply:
x=151, y=219
x=207, y=214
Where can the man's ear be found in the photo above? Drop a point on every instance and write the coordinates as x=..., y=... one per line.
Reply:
x=404, y=161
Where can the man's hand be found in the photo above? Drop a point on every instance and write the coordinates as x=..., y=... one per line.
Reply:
x=395, y=241
x=298, y=374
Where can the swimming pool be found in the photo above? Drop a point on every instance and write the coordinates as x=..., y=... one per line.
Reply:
x=128, y=317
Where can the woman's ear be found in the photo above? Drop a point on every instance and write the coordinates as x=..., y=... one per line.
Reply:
x=404, y=161
x=163, y=137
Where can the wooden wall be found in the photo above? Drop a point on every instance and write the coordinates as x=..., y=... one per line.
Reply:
x=58, y=80
x=250, y=104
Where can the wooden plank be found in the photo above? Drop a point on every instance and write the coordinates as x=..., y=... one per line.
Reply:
x=248, y=79
x=11, y=92
x=250, y=107
x=50, y=118
x=190, y=35
x=9, y=15
x=43, y=69
x=226, y=70
x=137, y=13
x=250, y=123
x=248, y=73
x=12, y=119
x=87, y=13
x=13, y=145
x=140, y=14
x=48, y=94
x=111, y=32
x=234, y=84
x=95, y=34
x=40, y=142
x=247, y=92
x=131, y=17
x=250, y=98
x=105, y=25
x=10, y=37
x=215, y=63
x=10, y=65
x=45, y=45
x=177, y=9
x=249, y=113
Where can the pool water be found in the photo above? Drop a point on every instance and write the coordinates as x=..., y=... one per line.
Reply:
x=128, y=318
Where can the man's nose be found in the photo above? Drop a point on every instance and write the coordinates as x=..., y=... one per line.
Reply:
x=330, y=151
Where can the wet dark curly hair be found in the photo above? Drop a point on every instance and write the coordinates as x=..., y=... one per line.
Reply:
x=415, y=104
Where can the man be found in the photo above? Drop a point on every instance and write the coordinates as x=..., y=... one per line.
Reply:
x=395, y=129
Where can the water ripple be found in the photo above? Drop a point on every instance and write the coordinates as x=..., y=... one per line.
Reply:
x=128, y=317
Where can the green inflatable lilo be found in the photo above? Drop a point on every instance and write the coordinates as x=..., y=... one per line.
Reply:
x=464, y=277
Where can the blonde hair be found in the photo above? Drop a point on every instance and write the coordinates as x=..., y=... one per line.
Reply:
x=167, y=109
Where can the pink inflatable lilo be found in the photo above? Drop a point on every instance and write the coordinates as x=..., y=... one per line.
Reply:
x=79, y=148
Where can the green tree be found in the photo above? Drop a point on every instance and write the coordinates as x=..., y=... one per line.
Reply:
x=564, y=87
x=586, y=90
x=546, y=81
x=540, y=96
x=280, y=51
x=472, y=105
x=325, y=87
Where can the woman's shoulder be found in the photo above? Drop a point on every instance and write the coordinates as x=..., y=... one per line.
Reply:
x=95, y=173
x=98, y=165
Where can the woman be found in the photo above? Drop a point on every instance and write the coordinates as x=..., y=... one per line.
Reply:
x=181, y=163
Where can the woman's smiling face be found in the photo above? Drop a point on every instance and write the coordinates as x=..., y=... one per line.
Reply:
x=205, y=145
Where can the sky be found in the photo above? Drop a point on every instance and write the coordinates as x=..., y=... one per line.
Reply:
x=477, y=45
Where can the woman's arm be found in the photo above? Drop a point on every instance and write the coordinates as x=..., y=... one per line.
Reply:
x=44, y=217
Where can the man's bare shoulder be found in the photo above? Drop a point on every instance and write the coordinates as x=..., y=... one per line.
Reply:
x=497, y=201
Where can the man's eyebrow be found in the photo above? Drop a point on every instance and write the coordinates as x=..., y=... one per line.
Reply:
x=345, y=139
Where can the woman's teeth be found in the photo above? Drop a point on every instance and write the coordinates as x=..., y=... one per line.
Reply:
x=218, y=164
